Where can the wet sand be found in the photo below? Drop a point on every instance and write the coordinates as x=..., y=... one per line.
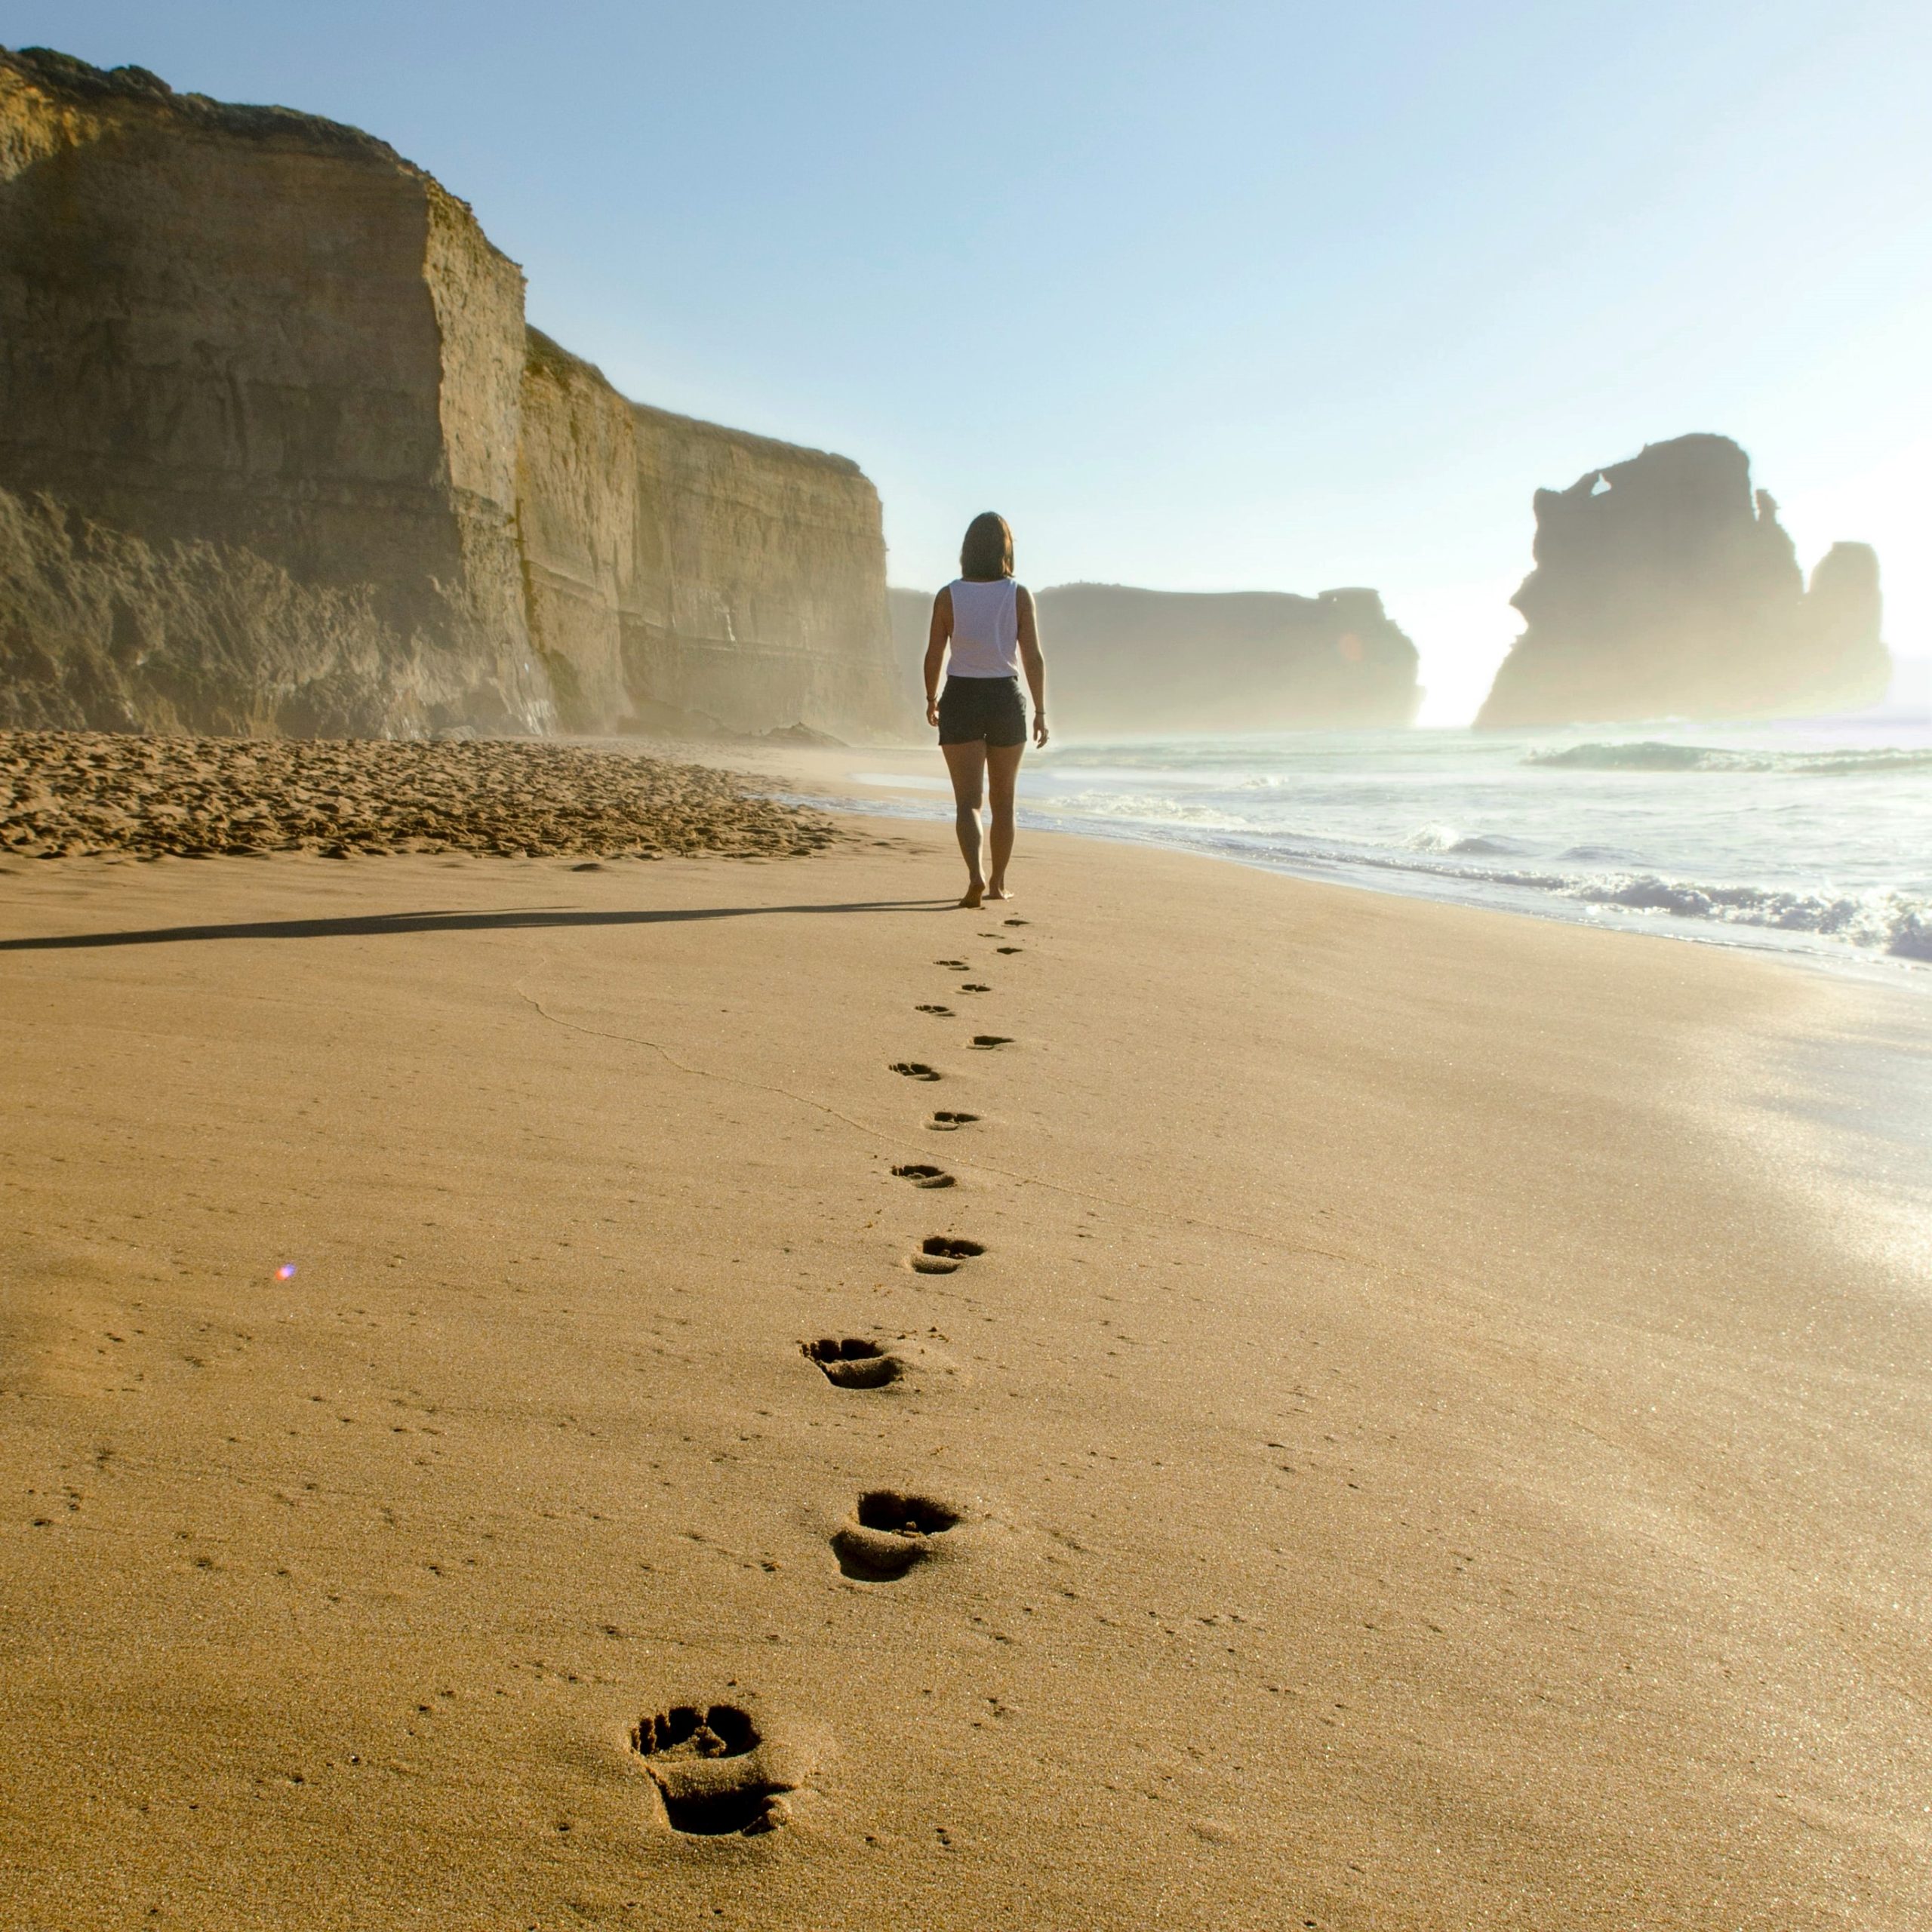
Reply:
x=1405, y=1468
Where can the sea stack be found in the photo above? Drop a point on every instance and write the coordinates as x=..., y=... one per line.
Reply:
x=1665, y=586
x=279, y=455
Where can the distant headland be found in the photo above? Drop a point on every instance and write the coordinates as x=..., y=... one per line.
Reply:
x=1127, y=660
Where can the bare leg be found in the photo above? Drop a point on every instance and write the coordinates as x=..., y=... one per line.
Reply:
x=968, y=764
x=1002, y=770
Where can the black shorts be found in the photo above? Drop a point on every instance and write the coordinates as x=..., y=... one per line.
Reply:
x=973, y=709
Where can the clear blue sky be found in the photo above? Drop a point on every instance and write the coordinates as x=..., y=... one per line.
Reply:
x=1200, y=296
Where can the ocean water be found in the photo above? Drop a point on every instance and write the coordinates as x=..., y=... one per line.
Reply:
x=1814, y=839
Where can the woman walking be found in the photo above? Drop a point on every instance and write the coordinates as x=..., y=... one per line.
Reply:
x=987, y=620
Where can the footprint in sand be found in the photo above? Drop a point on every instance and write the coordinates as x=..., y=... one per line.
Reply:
x=985, y=1040
x=941, y=1254
x=955, y=965
x=921, y=1174
x=946, y=1121
x=1009, y=948
x=973, y=986
x=905, y=1361
x=916, y=1069
x=945, y=1012
x=889, y=1532
x=850, y=1362
x=717, y=1774
x=1017, y=922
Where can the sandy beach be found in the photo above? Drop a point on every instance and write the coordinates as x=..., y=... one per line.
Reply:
x=1390, y=1445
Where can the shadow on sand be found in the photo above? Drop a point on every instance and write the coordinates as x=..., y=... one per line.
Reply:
x=380, y=924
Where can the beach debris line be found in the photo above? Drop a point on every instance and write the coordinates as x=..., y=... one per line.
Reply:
x=888, y=1532
x=83, y=794
x=717, y=1772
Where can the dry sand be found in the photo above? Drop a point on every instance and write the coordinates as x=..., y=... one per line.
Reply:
x=1407, y=1471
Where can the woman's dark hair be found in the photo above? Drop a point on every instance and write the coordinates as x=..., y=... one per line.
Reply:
x=987, y=552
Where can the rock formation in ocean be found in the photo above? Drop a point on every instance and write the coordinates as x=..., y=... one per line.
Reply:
x=1664, y=587
x=278, y=453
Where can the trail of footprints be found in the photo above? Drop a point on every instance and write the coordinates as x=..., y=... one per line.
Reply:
x=721, y=1769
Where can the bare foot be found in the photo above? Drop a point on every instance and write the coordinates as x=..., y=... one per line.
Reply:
x=997, y=890
x=974, y=893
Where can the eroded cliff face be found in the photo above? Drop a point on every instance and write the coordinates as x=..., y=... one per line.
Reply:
x=242, y=348
x=102, y=630
x=1664, y=586
x=761, y=582
x=686, y=576
x=1121, y=660
x=577, y=488
x=253, y=363
x=910, y=614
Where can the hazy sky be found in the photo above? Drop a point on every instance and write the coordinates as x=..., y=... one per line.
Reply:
x=1200, y=296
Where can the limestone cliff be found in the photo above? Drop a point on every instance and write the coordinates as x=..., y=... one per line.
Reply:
x=101, y=629
x=693, y=576
x=1665, y=587
x=279, y=455
x=910, y=612
x=1122, y=659
x=765, y=581
x=244, y=346
x=576, y=487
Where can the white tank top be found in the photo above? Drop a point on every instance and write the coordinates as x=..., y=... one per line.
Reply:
x=985, y=628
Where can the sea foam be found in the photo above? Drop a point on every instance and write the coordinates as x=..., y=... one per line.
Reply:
x=1762, y=839
x=1657, y=755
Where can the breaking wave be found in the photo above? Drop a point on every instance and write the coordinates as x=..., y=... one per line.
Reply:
x=1654, y=755
x=1892, y=922
x=1447, y=839
x=1785, y=854
x=1898, y=924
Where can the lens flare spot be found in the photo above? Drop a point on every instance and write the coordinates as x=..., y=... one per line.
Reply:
x=286, y=1272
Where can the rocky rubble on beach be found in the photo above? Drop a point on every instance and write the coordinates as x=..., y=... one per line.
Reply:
x=72, y=794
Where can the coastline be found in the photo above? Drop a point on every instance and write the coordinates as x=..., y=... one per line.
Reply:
x=1230, y=800
x=1415, y=1469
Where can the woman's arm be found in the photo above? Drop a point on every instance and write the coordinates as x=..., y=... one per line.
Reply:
x=936, y=643
x=1034, y=664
